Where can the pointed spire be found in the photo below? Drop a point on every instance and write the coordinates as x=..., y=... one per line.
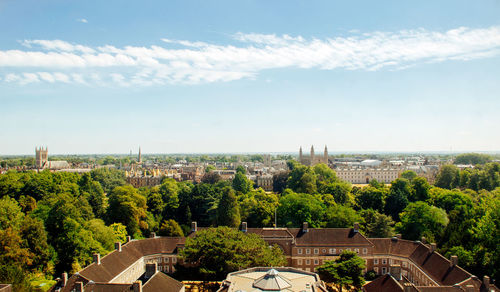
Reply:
x=312, y=151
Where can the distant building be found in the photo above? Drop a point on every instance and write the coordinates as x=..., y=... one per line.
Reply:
x=42, y=160
x=313, y=159
x=272, y=279
x=365, y=175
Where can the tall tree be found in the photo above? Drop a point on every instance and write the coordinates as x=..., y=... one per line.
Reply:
x=448, y=177
x=241, y=183
x=420, y=219
x=170, y=228
x=344, y=272
x=128, y=207
x=228, y=210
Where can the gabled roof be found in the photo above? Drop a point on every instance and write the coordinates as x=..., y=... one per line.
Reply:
x=116, y=262
x=382, y=284
x=329, y=237
x=162, y=282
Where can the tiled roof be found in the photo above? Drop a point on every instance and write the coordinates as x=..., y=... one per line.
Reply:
x=399, y=247
x=329, y=236
x=162, y=282
x=116, y=262
x=382, y=284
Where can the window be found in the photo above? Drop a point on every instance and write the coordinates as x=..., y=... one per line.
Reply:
x=167, y=260
x=299, y=262
x=308, y=251
x=384, y=270
x=324, y=250
x=299, y=251
x=405, y=264
x=375, y=261
x=365, y=250
x=160, y=260
x=384, y=261
x=174, y=260
x=316, y=262
x=308, y=262
x=340, y=250
x=160, y=268
x=316, y=251
x=167, y=269
x=356, y=250
x=332, y=250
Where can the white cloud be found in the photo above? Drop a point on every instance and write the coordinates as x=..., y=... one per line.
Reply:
x=201, y=62
x=82, y=20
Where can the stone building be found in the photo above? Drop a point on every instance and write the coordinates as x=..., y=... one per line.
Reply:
x=42, y=160
x=312, y=159
x=365, y=175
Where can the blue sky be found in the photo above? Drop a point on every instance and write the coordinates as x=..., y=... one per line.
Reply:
x=249, y=76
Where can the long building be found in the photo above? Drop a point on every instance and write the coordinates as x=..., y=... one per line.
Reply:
x=305, y=249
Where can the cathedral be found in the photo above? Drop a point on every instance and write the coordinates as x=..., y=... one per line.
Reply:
x=312, y=159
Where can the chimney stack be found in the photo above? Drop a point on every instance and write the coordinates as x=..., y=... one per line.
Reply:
x=305, y=226
x=129, y=238
x=151, y=269
x=356, y=227
x=486, y=282
x=97, y=258
x=118, y=246
x=137, y=286
x=79, y=286
x=244, y=226
x=152, y=235
x=453, y=260
x=424, y=240
x=433, y=247
x=395, y=271
x=64, y=279
x=194, y=226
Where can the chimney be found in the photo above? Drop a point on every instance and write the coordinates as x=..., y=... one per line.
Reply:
x=469, y=288
x=398, y=236
x=453, y=260
x=194, y=226
x=305, y=227
x=137, y=286
x=486, y=282
x=395, y=271
x=97, y=258
x=118, y=246
x=424, y=240
x=244, y=226
x=433, y=247
x=152, y=235
x=64, y=279
x=408, y=287
x=151, y=269
x=355, y=227
x=79, y=286
x=129, y=238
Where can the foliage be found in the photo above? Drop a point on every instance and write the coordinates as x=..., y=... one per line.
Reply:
x=241, y=183
x=215, y=252
x=420, y=219
x=170, y=228
x=228, y=210
x=128, y=207
x=294, y=209
x=472, y=158
x=346, y=271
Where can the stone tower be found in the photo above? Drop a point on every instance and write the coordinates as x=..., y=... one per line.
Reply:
x=300, y=154
x=139, y=157
x=325, y=154
x=41, y=157
x=312, y=154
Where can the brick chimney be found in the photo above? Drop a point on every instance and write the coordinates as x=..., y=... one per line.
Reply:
x=97, y=258
x=118, y=246
x=486, y=282
x=137, y=286
x=244, y=226
x=355, y=227
x=453, y=260
x=194, y=226
x=151, y=269
x=152, y=235
x=433, y=247
x=423, y=240
x=79, y=286
x=395, y=271
x=64, y=279
x=305, y=227
x=129, y=238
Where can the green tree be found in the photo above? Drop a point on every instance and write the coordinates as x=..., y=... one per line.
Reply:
x=216, y=252
x=420, y=219
x=228, y=210
x=339, y=216
x=397, y=199
x=409, y=175
x=371, y=198
x=211, y=178
x=209, y=168
x=377, y=225
x=109, y=178
x=241, y=183
x=280, y=181
x=339, y=190
x=294, y=209
x=420, y=189
x=302, y=180
x=472, y=158
x=170, y=228
x=344, y=272
x=128, y=207
x=448, y=177
x=241, y=169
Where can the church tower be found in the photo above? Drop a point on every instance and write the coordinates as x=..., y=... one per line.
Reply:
x=326, y=155
x=139, y=158
x=312, y=155
x=300, y=154
x=41, y=157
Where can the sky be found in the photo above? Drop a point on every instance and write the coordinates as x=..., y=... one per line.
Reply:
x=249, y=76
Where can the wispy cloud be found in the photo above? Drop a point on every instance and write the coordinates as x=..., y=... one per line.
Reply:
x=194, y=62
x=82, y=20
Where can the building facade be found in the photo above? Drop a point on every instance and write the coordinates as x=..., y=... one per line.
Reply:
x=313, y=159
